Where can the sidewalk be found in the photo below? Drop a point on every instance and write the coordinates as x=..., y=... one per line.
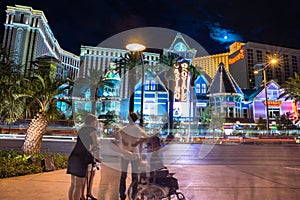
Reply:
x=54, y=185
x=48, y=185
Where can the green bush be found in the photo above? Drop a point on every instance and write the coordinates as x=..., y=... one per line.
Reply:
x=14, y=163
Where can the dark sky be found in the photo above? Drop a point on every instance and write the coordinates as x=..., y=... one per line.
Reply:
x=90, y=22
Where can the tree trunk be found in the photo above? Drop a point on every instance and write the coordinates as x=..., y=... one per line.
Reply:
x=93, y=99
x=131, y=102
x=171, y=108
x=34, y=134
x=131, y=84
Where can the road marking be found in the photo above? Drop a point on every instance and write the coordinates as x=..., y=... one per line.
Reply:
x=292, y=168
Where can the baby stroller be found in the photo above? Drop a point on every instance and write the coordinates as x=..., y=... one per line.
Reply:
x=160, y=185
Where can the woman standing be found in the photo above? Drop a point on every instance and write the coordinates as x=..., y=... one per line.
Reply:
x=81, y=156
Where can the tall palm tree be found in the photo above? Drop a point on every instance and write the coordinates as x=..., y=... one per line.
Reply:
x=11, y=80
x=292, y=88
x=195, y=72
x=41, y=93
x=168, y=79
x=128, y=64
x=94, y=81
x=69, y=100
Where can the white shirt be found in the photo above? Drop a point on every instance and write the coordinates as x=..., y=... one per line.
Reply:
x=130, y=136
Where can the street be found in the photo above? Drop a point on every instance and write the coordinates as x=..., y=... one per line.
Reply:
x=240, y=172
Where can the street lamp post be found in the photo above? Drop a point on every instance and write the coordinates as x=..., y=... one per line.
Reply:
x=266, y=96
x=139, y=48
x=264, y=69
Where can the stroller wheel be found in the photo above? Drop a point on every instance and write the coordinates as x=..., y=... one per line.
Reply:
x=150, y=192
x=176, y=196
x=180, y=196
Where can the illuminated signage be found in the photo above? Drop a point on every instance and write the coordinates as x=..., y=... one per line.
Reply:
x=201, y=104
x=181, y=75
x=239, y=56
x=273, y=103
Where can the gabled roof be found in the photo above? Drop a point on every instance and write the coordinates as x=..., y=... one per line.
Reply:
x=179, y=38
x=204, y=77
x=223, y=82
x=259, y=91
x=178, y=45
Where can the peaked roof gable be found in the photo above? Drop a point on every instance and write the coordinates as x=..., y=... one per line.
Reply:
x=180, y=48
x=223, y=82
x=179, y=38
x=260, y=92
x=179, y=44
x=203, y=78
x=158, y=81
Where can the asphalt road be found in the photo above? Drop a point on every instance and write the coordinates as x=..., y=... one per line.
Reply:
x=237, y=171
x=236, y=154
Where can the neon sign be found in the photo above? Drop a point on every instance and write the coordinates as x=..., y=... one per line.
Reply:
x=273, y=103
x=181, y=75
x=239, y=56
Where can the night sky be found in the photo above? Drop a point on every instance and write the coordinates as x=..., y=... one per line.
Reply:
x=214, y=24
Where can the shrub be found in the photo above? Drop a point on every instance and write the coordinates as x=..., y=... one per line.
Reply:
x=14, y=163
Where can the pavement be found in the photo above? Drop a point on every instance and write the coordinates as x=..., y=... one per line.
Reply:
x=55, y=185
x=196, y=182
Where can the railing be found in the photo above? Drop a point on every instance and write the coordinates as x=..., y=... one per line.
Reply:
x=46, y=137
x=51, y=130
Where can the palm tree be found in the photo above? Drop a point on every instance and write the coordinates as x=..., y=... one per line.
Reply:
x=41, y=95
x=94, y=81
x=168, y=79
x=11, y=81
x=292, y=88
x=195, y=72
x=69, y=100
x=128, y=63
x=169, y=60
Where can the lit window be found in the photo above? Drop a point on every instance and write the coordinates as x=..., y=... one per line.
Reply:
x=203, y=88
x=197, y=88
x=147, y=85
x=274, y=113
x=153, y=85
x=273, y=94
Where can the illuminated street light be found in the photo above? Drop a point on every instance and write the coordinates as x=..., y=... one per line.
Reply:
x=139, y=48
x=135, y=47
x=273, y=61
